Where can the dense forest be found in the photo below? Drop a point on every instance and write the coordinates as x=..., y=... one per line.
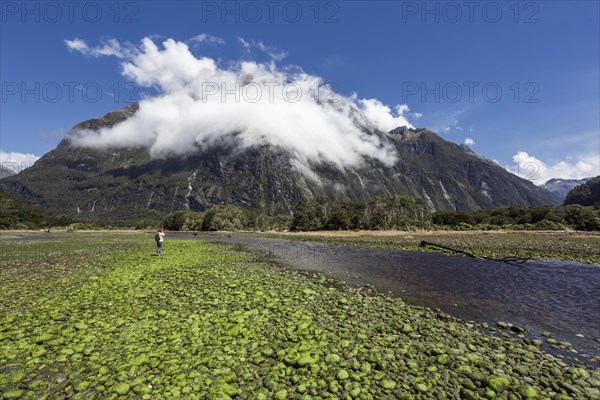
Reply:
x=586, y=194
x=381, y=212
x=224, y=218
x=17, y=213
x=385, y=213
x=532, y=218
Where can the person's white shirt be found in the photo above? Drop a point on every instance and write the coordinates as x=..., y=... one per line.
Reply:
x=161, y=236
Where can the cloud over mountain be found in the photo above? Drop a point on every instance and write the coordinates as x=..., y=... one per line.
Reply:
x=469, y=142
x=200, y=102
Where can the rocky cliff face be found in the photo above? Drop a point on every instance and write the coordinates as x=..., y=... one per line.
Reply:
x=122, y=185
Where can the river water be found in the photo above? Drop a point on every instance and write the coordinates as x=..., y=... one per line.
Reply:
x=556, y=296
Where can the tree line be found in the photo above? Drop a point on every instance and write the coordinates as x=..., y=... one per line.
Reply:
x=378, y=213
x=384, y=213
x=225, y=218
x=533, y=218
x=322, y=213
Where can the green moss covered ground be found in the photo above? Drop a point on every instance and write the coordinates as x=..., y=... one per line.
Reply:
x=207, y=322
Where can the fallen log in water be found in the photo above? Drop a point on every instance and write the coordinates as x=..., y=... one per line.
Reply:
x=518, y=260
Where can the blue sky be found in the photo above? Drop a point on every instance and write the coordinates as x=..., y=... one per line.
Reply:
x=543, y=56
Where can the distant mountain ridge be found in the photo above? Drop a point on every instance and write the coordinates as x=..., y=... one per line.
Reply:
x=126, y=184
x=560, y=187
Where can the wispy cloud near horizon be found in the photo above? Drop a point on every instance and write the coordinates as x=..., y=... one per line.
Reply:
x=539, y=172
x=110, y=47
x=207, y=38
x=17, y=160
x=273, y=52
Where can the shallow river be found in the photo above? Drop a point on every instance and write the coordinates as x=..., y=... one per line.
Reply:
x=555, y=296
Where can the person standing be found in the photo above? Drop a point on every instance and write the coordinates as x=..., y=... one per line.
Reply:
x=159, y=238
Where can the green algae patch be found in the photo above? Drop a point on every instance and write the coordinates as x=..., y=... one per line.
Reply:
x=122, y=388
x=498, y=384
x=207, y=322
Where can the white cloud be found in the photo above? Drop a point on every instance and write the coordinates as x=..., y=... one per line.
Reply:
x=245, y=43
x=273, y=52
x=78, y=45
x=110, y=47
x=382, y=116
x=200, y=103
x=529, y=167
x=452, y=126
x=17, y=162
x=469, y=142
x=442, y=120
x=207, y=38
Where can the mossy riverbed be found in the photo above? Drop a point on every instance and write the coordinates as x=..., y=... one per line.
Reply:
x=205, y=321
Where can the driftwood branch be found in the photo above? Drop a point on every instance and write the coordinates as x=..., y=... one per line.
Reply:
x=518, y=260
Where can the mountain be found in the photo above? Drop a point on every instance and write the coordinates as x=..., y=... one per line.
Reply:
x=5, y=172
x=560, y=187
x=122, y=185
x=17, y=213
x=585, y=194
